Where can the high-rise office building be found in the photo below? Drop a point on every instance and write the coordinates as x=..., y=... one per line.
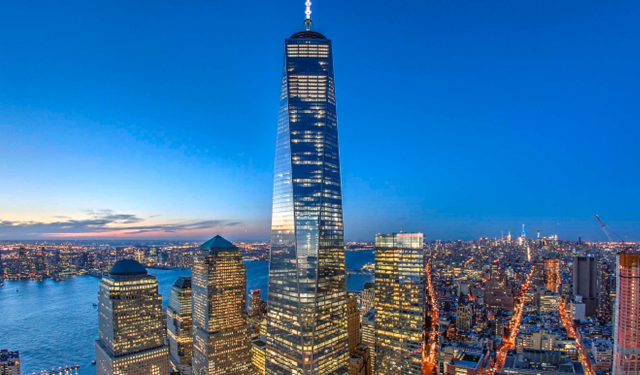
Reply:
x=258, y=355
x=360, y=361
x=367, y=298
x=552, y=274
x=65, y=266
x=368, y=334
x=353, y=323
x=626, y=355
x=130, y=322
x=400, y=280
x=585, y=282
x=464, y=317
x=498, y=293
x=307, y=323
x=179, y=323
x=606, y=288
x=255, y=302
x=24, y=266
x=221, y=343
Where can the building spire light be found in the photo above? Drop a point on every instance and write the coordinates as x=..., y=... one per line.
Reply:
x=308, y=21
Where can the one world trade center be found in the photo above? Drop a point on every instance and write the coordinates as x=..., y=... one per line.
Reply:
x=306, y=324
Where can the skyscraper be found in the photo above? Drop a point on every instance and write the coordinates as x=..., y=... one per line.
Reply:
x=130, y=322
x=255, y=302
x=368, y=334
x=221, y=343
x=24, y=265
x=552, y=274
x=353, y=319
x=179, y=322
x=367, y=298
x=626, y=355
x=307, y=323
x=585, y=282
x=360, y=361
x=464, y=317
x=400, y=305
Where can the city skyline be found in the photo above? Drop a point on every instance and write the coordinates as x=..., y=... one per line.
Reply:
x=522, y=114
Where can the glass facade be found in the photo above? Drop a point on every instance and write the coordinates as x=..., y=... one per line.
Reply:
x=307, y=323
x=400, y=303
x=179, y=324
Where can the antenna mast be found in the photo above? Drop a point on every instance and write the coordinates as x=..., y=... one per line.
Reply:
x=308, y=21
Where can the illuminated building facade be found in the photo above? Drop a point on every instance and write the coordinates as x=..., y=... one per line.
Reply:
x=498, y=293
x=367, y=298
x=368, y=334
x=400, y=280
x=626, y=355
x=179, y=322
x=255, y=302
x=24, y=265
x=360, y=361
x=585, y=282
x=258, y=355
x=552, y=274
x=221, y=343
x=353, y=323
x=464, y=317
x=130, y=322
x=307, y=323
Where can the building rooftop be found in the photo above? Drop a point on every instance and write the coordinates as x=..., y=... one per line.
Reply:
x=307, y=35
x=183, y=283
x=217, y=242
x=128, y=267
x=259, y=343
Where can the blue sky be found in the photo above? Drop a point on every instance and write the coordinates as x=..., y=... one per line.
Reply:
x=459, y=119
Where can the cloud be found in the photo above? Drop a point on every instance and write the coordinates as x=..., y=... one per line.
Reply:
x=102, y=222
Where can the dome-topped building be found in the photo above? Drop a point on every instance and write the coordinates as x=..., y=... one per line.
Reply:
x=308, y=34
x=128, y=267
x=130, y=323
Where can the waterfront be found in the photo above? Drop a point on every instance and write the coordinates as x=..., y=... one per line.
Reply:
x=55, y=323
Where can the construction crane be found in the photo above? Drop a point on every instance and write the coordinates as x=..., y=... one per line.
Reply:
x=607, y=231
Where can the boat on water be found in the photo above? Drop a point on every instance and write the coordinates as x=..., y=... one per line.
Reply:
x=93, y=362
x=95, y=304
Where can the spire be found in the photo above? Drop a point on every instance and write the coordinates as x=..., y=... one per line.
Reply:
x=308, y=21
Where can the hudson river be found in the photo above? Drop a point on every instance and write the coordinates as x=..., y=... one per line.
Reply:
x=55, y=323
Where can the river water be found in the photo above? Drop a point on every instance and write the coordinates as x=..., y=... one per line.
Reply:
x=55, y=323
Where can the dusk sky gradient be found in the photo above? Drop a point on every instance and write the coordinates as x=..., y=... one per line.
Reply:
x=458, y=118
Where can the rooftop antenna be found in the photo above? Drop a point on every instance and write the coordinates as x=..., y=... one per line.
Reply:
x=308, y=21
